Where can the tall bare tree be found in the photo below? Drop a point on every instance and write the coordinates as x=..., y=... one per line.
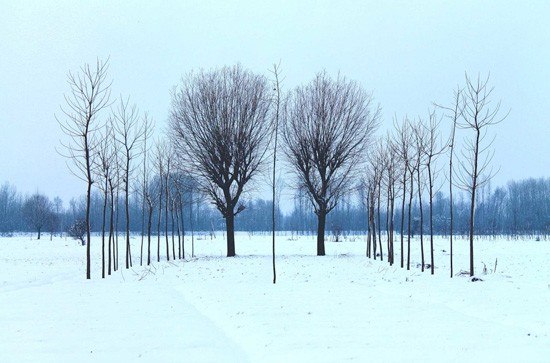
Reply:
x=432, y=149
x=160, y=153
x=89, y=95
x=103, y=167
x=390, y=181
x=145, y=166
x=276, y=72
x=221, y=126
x=329, y=123
x=129, y=130
x=419, y=133
x=454, y=114
x=475, y=166
x=402, y=147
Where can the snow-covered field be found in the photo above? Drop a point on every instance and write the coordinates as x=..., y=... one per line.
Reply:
x=341, y=307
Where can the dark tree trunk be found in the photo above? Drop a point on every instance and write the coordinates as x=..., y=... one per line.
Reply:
x=103, y=222
x=127, y=212
x=321, y=223
x=451, y=210
x=159, y=218
x=230, y=229
x=388, y=246
x=111, y=226
x=178, y=230
x=182, y=232
x=369, y=226
x=149, y=224
x=373, y=227
x=167, y=196
x=473, y=201
x=410, y=224
x=379, y=222
x=392, y=211
x=88, y=236
x=39, y=231
x=173, y=235
x=116, y=230
x=403, y=214
x=431, y=221
x=421, y=219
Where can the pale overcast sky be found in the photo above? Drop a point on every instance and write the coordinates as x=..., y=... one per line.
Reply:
x=408, y=53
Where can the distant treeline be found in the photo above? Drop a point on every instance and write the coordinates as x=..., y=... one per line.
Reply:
x=520, y=208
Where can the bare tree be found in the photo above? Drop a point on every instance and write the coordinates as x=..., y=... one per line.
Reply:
x=455, y=113
x=221, y=127
x=329, y=123
x=103, y=164
x=129, y=130
x=114, y=190
x=374, y=181
x=432, y=149
x=402, y=147
x=419, y=133
x=145, y=203
x=475, y=166
x=277, y=89
x=390, y=181
x=37, y=211
x=160, y=152
x=90, y=93
x=167, y=195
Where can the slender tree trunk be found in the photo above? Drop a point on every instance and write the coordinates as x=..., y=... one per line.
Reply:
x=149, y=225
x=392, y=212
x=176, y=210
x=142, y=232
x=421, y=219
x=191, y=224
x=103, y=231
x=173, y=236
x=182, y=231
x=116, y=229
x=388, y=246
x=451, y=215
x=167, y=196
x=432, y=263
x=127, y=212
x=88, y=236
x=403, y=214
x=379, y=222
x=373, y=226
x=410, y=224
x=111, y=226
x=159, y=218
x=369, y=225
x=473, y=201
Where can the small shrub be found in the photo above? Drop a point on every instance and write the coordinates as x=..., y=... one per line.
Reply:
x=78, y=230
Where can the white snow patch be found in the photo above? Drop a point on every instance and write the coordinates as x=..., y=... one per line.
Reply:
x=210, y=308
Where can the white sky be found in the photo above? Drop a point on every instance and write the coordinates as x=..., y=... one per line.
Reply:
x=408, y=53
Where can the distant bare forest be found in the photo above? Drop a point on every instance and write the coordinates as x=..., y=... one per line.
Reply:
x=521, y=208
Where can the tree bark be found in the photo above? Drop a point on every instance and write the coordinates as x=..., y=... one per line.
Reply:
x=230, y=229
x=321, y=223
x=409, y=219
x=105, y=197
x=149, y=224
x=473, y=200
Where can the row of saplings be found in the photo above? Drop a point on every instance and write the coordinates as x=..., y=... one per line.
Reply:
x=225, y=126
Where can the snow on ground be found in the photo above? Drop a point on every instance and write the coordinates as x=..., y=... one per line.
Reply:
x=340, y=307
